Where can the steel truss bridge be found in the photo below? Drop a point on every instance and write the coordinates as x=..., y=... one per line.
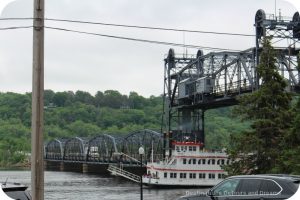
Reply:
x=106, y=149
x=192, y=85
x=196, y=83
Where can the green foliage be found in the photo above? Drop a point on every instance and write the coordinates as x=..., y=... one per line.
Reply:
x=61, y=99
x=14, y=141
x=219, y=126
x=258, y=150
x=290, y=160
x=13, y=105
x=298, y=60
x=69, y=114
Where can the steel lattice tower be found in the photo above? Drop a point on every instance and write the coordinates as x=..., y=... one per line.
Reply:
x=196, y=83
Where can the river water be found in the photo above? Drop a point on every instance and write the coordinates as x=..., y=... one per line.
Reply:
x=77, y=186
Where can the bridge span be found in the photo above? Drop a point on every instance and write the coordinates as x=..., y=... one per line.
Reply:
x=95, y=154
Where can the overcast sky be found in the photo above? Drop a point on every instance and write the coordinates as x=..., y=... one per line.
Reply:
x=92, y=63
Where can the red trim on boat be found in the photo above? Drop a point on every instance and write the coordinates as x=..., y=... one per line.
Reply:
x=201, y=157
x=184, y=170
x=187, y=143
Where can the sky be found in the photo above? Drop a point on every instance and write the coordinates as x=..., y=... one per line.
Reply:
x=92, y=63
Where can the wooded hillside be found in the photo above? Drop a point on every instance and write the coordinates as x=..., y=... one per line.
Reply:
x=69, y=114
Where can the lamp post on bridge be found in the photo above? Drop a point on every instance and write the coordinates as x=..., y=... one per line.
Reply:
x=141, y=152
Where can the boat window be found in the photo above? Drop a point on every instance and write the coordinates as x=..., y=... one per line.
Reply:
x=194, y=161
x=177, y=149
x=221, y=176
x=213, y=161
x=202, y=175
x=165, y=175
x=190, y=148
x=173, y=175
x=208, y=162
x=199, y=162
x=194, y=148
x=190, y=161
x=228, y=162
x=211, y=176
x=222, y=162
x=192, y=175
x=184, y=161
x=203, y=161
x=182, y=175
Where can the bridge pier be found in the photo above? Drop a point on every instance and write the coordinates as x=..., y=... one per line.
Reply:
x=54, y=165
x=85, y=168
x=61, y=166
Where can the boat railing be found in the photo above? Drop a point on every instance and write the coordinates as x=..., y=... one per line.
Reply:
x=121, y=172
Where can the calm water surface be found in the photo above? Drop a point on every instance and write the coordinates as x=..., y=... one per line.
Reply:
x=77, y=186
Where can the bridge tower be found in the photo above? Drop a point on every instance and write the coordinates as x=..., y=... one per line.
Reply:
x=284, y=33
x=196, y=83
x=184, y=120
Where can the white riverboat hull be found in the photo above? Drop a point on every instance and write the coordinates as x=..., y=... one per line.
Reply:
x=188, y=166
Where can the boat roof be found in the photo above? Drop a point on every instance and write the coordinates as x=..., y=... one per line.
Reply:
x=8, y=186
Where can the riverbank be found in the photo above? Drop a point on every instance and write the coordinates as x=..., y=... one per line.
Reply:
x=15, y=166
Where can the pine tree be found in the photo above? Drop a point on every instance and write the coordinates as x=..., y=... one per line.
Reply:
x=290, y=159
x=258, y=150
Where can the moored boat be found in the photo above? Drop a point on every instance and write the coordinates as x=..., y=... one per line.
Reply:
x=188, y=165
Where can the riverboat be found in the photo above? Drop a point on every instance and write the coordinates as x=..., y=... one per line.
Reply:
x=189, y=165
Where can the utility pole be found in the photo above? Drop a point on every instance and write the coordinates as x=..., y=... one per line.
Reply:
x=37, y=141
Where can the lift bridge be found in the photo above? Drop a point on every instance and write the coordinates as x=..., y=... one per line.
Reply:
x=192, y=85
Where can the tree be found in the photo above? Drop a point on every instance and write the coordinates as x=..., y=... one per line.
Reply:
x=257, y=150
x=84, y=97
x=99, y=98
x=298, y=60
x=290, y=160
x=113, y=99
x=48, y=97
x=63, y=98
x=13, y=105
x=136, y=101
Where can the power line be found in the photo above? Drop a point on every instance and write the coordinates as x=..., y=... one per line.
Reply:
x=15, y=27
x=132, y=26
x=149, y=27
x=141, y=27
x=16, y=18
x=139, y=40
